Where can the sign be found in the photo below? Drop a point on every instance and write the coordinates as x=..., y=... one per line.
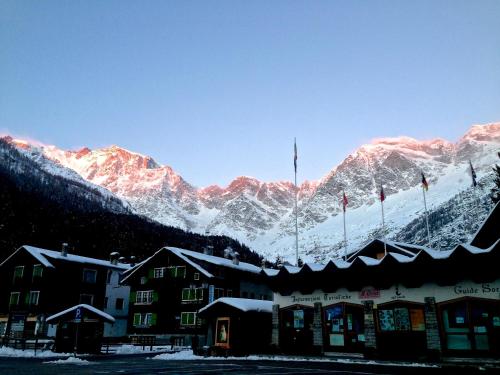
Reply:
x=369, y=293
x=222, y=332
x=78, y=315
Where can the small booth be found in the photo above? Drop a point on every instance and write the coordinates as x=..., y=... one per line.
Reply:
x=79, y=329
x=238, y=326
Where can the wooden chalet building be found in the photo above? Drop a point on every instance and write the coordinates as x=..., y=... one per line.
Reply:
x=410, y=301
x=36, y=283
x=169, y=288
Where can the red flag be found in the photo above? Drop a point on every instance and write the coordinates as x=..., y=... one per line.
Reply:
x=382, y=195
x=344, y=201
x=425, y=185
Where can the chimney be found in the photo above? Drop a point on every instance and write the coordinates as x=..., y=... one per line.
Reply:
x=236, y=258
x=132, y=260
x=228, y=252
x=113, y=257
x=64, y=249
x=208, y=250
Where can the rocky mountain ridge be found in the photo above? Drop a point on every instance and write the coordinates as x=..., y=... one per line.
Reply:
x=261, y=214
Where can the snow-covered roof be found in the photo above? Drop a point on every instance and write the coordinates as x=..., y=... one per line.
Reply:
x=190, y=256
x=242, y=304
x=44, y=256
x=89, y=308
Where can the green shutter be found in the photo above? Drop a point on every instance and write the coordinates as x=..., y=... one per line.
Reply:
x=151, y=273
x=137, y=319
x=155, y=296
x=132, y=297
x=27, y=298
x=153, y=319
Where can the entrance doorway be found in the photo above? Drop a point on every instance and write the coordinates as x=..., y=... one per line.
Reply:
x=296, y=334
x=471, y=324
x=344, y=327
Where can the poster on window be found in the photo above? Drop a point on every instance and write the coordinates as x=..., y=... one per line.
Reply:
x=402, y=319
x=298, y=319
x=222, y=332
x=417, y=320
x=386, y=320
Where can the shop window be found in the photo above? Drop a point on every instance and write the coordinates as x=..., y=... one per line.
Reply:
x=401, y=319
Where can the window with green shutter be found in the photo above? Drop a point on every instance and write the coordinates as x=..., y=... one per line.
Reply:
x=18, y=272
x=137, y=320
x=188, y=318
x=37, y=271
x=153, y=319
x=155, y=296
x=14, y=298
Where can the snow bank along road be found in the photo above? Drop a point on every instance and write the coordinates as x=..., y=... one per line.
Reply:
x=16, y=366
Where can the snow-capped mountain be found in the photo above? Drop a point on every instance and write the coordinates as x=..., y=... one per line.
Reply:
x=261, y=214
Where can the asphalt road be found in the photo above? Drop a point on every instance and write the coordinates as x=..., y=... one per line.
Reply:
x=141, y=365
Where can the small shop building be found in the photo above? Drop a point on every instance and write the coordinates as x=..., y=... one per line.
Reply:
x=80, y=329
x=238, y=326
x=394, y=300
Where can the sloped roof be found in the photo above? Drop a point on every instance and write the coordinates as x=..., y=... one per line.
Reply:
x=242, y=304
x=488, y=232
x=191, y=258
x=86, y=307
x=44, y=256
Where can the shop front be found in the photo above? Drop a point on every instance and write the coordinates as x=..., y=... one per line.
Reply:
x=343, y=328
x=296, y=333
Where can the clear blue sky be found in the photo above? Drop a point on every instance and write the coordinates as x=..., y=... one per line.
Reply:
x=218, y=89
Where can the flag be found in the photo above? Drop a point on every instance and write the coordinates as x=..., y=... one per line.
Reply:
x=473, y=174
x=295, y=155
x=425, y=185
x=344, y=201
x=382, y=195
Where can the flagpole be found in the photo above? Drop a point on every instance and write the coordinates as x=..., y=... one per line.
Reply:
x=426, y=219
x=345, y=232
x=383, y=228
x=296, y=213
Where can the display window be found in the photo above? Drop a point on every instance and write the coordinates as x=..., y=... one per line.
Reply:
x=344, y=327
x=471, y=324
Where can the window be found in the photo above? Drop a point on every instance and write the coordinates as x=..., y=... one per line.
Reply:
x=34, y=296
x=119, y=304
x=37, y=271
x=144, y=297
x=401, y=319
x=144, y=320
x=192, y=294
x=144, y=280
x=177, y=271
x=188, y=318
x=14, y=298
x=89, y=276
x=196, y=276
x=87, y=299
x=108, y=277
x=159, y=273
x=18, y=272
x=105, y=302
x=229, y=293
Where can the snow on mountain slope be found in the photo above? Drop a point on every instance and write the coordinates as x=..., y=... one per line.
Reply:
x=261, y=214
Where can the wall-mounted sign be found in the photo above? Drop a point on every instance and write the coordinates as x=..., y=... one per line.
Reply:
x=222, y=332
x=369, y=293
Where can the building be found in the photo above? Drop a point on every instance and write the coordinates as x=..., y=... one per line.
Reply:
x=36, y=283
x=171, y=286
x=394, y=300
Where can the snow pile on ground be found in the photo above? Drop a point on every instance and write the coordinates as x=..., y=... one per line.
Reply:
x=187, y=355
x=11, y=352
x=70, y=361
x=133, y=349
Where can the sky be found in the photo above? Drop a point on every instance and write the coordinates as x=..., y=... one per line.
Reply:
x=219, y=89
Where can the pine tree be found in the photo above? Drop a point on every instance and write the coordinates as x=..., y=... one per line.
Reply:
x=495, y=192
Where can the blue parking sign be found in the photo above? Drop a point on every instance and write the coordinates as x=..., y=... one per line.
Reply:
x=78, y=315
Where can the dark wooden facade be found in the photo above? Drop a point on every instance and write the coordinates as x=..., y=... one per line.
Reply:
x=45, y=286
x=169, y=288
